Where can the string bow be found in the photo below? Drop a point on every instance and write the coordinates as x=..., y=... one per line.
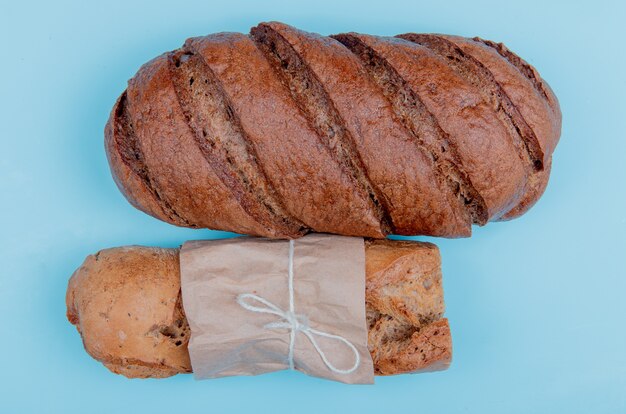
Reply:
x=296, y=323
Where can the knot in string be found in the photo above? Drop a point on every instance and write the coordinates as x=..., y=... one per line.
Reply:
x=295, y=323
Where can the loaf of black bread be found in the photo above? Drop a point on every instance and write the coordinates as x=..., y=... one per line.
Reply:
x=282, y=132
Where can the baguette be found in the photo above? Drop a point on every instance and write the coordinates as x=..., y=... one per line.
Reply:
x=283, y=132
x=127, y=306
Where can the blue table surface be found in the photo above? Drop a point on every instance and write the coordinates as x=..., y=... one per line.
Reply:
x=536, y=305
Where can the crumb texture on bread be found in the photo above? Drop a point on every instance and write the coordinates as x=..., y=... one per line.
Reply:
x=405, y=307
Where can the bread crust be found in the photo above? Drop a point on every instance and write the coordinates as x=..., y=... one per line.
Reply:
x=185, y=178
x=256, y=94
x=126, y=304
x=406, y=179
x=532, y=106
x=133, y=186
x=486, y=150
x=308, y=138
x=537, y=107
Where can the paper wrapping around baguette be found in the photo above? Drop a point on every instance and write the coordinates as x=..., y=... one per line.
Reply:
x=126, y=304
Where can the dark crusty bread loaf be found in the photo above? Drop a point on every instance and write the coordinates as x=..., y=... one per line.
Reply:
x=126, y=304
x=282, y=132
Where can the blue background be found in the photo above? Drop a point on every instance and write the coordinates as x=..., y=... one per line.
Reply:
x=536, y=305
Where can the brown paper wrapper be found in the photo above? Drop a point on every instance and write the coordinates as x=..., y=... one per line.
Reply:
x=329, y=289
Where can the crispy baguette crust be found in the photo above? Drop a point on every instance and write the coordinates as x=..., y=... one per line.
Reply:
x=283, y=132
x=126, y=304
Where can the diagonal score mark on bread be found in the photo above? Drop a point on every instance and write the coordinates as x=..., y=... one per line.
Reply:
x=483, y=80
x=422, y=124
x=223, y=141
x=311, y=97
x=528, y=116
x=406, y=180
x=127, y=161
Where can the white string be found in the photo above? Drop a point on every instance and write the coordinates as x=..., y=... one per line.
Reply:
x=296, y=323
